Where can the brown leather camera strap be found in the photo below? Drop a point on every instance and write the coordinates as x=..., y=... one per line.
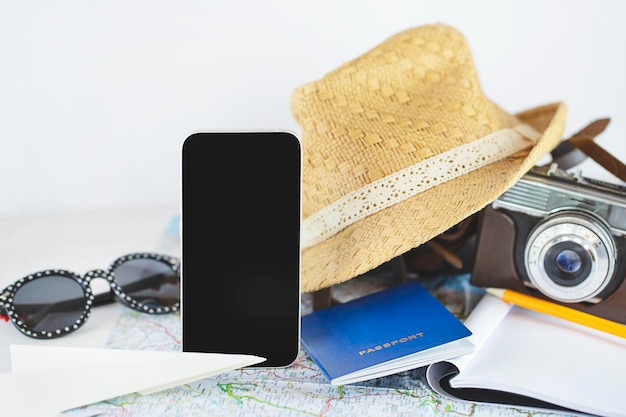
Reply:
x=594, y=128
x=584, y=141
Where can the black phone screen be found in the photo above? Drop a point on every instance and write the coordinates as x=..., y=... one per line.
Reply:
x=241, y=244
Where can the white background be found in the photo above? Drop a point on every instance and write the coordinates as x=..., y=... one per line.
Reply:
x=97, y=96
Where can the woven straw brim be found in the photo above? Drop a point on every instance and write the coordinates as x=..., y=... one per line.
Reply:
x=395, y=230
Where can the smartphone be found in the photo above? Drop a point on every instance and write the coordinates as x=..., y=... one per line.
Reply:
x=240, y=244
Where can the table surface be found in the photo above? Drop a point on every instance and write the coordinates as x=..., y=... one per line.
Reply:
x=83, y=241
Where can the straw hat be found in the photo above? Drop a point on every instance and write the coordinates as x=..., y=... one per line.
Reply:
x=399, y=145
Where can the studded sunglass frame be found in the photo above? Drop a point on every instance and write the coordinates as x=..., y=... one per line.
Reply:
x=56, y=302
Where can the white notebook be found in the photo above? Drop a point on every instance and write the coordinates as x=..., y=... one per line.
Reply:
x=543, y=358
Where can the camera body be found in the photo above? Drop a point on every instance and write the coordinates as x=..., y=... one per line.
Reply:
x=560, y=237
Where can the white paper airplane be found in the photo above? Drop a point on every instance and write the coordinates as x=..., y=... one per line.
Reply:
x=48, y=380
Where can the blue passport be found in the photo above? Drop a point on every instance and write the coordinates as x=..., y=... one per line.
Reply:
x=390, y=331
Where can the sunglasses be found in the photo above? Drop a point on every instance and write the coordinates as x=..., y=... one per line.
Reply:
x=53, y=303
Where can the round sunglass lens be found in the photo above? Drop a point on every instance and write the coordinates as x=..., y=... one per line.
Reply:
x=50, y=303
x=149, y=282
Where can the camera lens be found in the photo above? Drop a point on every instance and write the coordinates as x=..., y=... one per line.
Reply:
x=570, y=257
x=568, y=261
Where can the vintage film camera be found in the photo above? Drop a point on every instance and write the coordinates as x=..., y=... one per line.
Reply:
x=560, y=237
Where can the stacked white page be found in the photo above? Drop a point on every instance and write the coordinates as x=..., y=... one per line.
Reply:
x=538, y=356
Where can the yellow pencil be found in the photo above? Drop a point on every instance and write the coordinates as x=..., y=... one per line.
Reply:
x=557, y=310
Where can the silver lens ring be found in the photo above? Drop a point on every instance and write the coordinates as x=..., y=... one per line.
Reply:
x=580, y=230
